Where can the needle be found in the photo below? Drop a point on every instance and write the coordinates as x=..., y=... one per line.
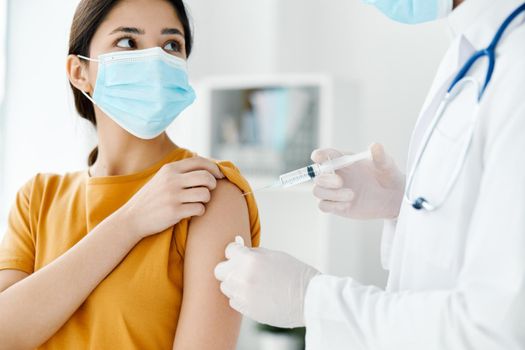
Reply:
x=276, y=184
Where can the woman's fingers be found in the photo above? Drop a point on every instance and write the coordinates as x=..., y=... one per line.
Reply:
x=194, y=164
x=179, y=190
x=195, y=195
x=198, y=178
x=188, y=210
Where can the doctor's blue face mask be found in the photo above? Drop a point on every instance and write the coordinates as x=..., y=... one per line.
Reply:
x=143, y=91
x=413, y=11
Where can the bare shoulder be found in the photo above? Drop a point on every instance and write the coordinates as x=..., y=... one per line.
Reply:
x=227, y=192
x=226, y=199
x=226, y=213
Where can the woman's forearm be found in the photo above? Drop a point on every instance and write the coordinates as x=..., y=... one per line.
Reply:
x=32, y=310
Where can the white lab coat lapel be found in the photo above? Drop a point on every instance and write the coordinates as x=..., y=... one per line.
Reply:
x=459, y=52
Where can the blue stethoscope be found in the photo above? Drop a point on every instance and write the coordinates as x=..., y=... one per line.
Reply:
x=458, y=83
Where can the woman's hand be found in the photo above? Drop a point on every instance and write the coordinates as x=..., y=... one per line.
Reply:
x=34, y=307
x=179, y=190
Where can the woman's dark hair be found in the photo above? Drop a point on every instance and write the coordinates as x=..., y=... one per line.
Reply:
x=88, y=17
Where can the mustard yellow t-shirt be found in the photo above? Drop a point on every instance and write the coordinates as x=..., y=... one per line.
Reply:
x=137, y=306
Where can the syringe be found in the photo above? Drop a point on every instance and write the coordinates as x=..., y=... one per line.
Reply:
x=310, y=172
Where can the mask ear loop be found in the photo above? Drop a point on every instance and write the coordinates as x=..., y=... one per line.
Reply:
x=87, y=58
x=88, y=97
x=82, y=91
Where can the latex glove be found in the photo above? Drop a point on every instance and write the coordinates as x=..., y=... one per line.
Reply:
x=264, y=285
x=368, y=189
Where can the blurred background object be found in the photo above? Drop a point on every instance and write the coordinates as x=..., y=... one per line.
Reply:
x=275, y=79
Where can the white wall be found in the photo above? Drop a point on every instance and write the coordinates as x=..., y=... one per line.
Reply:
x=233, y=37
x=42, y=132
x=391, y=65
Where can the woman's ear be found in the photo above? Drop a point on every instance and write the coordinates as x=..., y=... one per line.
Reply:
x=77, y=74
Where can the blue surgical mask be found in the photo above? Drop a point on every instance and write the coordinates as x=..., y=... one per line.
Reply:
x=413, y=11
x=143, y=91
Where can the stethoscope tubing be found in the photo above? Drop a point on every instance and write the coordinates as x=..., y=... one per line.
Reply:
x=459, y=81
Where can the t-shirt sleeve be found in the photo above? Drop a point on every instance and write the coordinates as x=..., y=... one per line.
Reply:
x=17, y=249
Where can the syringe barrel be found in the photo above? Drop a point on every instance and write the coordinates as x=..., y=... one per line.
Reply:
x=344, y=161
x=300, y=175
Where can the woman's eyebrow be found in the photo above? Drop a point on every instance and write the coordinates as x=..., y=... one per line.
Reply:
x=129, y=30
x=168, y=31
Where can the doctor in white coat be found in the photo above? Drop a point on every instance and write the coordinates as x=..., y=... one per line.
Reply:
x=454, y=236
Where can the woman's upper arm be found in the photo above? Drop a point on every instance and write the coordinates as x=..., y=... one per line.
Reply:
x=17, y=248
x=206, y=320
x=10, y=277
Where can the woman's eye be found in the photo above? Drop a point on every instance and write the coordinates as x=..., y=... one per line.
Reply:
x=172, y=46
x=126, y=43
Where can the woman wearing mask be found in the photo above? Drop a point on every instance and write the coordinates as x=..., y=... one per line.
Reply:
x=121, y=256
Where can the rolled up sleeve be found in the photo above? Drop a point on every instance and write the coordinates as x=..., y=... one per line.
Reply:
x=17, y=249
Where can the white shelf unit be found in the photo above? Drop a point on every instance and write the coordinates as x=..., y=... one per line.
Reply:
x=290, y=218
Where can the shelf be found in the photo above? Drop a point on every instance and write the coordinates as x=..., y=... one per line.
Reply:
x=267, y=126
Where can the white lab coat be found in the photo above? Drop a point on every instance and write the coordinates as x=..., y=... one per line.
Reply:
x=457, y=275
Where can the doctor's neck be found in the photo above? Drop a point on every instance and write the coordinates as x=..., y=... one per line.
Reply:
x=457, y=3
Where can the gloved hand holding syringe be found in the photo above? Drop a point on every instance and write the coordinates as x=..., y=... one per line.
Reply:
x=310, y=172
